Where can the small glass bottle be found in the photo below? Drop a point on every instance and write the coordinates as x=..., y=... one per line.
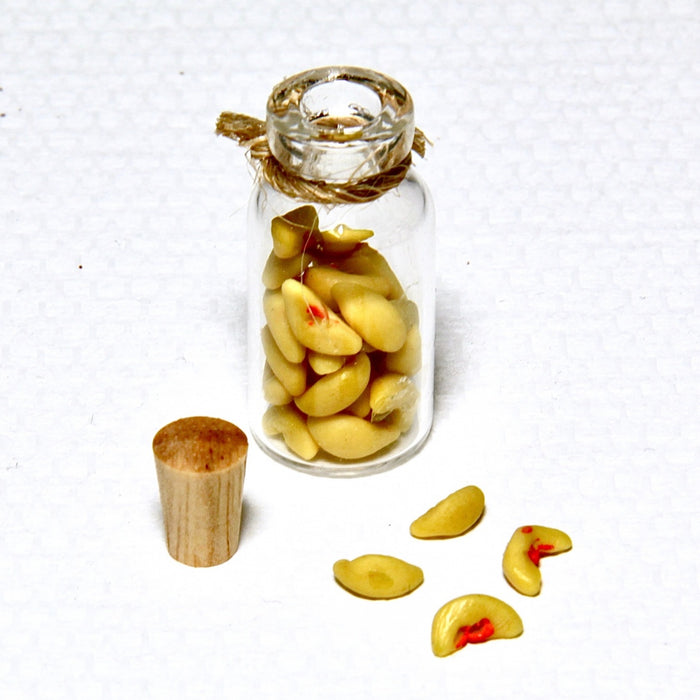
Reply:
x=341, y=319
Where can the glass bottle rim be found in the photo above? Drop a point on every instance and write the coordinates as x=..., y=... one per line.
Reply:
x=339, y=123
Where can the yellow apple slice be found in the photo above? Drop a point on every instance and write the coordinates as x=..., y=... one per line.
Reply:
x=273, y=389
x=315, y=325
x=370, y=314
x=472, y=619
x=342, y=239
x=336, y=391
x=391, y=392
x=360, y=407
x=378, y=576
x=349, y=437
x=521, y=559
x=452, y=516
x=368, y=261
x=291, y=374
x=325, y=364
x=277, y=270
x=290, y=231
x=322, y=278
x=276, y=317
x=407, y=359
x=291, y=424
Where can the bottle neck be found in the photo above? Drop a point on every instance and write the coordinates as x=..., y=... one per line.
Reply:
x=339, y=124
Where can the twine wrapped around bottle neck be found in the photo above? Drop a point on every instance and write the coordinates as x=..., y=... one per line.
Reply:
x=250, y=133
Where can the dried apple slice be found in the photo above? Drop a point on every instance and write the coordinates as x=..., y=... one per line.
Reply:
x=360, y=407
x=290, y=231
x=350, y=437
x=338, y=390
x=322, y=278
x=277, y=270
x=407, y=359
x=325, y=364
x=291, y=374
x=391, y=392
x=315, y=325
x=342, y=239
x=375, y=318
x=368, y=261
x=452, y=516
x=275, y=314
x=472, y=619
x=291, y=424
x=273, y=389
x=378, y=576
x=521, y=560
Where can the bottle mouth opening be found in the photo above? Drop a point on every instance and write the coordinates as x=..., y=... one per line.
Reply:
x=340, y=108
x=339, y=124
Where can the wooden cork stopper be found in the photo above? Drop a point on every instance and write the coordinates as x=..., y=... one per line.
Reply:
x=200, y=464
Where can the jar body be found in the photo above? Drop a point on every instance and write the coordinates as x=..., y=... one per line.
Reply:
x=322, y=398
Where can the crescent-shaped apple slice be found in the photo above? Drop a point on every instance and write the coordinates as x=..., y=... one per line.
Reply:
x=291, y=230
x=315, y=325
x=378, y=576
x=452, y=516
x=472, y=619
x=521, y=560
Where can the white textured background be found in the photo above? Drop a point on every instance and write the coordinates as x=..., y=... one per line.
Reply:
x=566, y=175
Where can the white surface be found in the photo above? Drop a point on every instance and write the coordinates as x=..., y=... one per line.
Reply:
x=566, y=175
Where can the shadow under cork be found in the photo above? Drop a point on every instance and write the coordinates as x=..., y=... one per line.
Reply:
x=250, y=515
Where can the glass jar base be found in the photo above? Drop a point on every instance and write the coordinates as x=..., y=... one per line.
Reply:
x=337, y=468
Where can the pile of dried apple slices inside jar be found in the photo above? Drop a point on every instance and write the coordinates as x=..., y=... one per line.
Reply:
x=468, y=619
x=341, y=341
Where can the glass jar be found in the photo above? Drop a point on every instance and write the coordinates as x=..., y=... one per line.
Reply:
x=341, y=318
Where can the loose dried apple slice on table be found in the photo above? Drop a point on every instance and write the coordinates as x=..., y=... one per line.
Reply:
x=472, y=619
x=378, y=576
x=452, y=516
x=521, y=559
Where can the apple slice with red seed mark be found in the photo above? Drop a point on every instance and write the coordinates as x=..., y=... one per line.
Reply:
x=473, y=619
x=521, y=559
x=315, y=325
